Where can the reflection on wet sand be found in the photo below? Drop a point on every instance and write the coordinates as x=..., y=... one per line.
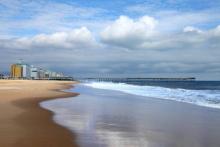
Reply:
x=109, y=118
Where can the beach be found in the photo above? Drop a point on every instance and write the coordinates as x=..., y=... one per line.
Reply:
x=110, y=118
x=23, y=123
x=41, y=114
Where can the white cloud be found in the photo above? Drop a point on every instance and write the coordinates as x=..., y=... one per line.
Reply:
x=74, y=39
x=191, y=29
x=191, y=38
x=174, y=19
x=126, y=31
x=145, y=33
x=216, y=31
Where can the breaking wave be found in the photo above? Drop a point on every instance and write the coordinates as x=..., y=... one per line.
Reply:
x=208, y=98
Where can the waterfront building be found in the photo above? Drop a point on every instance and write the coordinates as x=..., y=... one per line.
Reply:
x=16, y=71
x=47, y=74
x=41, y=73
x=53, y=74
x=59, y=75
x=20, y=71
x=26, y=71
x=34, y=72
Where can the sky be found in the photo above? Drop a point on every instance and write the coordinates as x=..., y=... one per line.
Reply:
x=130, y=38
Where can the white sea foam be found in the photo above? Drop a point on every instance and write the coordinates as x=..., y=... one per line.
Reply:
x=208, y=98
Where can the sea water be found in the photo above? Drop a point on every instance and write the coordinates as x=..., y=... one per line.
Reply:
x=203, y=93
x=153, y=114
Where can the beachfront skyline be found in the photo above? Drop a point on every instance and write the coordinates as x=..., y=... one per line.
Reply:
x=133, y=37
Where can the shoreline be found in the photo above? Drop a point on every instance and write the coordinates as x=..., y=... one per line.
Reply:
x=114, y=118
x=24, y=122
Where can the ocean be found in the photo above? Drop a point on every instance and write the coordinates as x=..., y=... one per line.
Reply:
x=204, y=93
x=142, y=113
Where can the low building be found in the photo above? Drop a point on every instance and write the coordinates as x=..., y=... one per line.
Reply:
x=53, y=74
x=41, y=73
x=48, y=74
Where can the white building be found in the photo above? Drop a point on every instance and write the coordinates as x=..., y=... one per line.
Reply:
x=53, y=74
x=34, y=72
x=41, y=73
x=48, y=74
x=26, y=71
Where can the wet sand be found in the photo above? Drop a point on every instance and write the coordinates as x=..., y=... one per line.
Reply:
x=23, y=123
x=115, y=119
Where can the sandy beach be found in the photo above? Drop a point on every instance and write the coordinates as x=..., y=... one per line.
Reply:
x=23, y=122
x=99, y=117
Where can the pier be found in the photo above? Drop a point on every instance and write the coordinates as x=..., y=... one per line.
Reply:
x=139, y=79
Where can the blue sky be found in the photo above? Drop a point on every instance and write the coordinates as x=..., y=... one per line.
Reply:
x=127, y=38
x=21, y=11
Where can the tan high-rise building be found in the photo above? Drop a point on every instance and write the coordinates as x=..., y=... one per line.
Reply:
x=16, y=71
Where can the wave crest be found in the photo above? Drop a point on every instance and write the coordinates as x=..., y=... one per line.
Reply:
x=208, y=98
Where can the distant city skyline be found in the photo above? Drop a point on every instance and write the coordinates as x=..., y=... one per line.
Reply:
x=151, y=38
x=23, y=70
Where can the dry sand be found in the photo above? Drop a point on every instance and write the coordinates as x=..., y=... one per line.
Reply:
x=23, y=123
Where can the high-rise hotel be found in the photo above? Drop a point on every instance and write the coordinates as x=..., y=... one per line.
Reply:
x=16, y=71
x=20, y=71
